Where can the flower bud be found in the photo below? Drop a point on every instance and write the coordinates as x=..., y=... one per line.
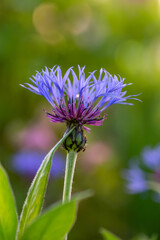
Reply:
x=76, y=141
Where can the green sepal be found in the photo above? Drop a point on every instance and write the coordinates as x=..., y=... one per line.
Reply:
x=76, y=140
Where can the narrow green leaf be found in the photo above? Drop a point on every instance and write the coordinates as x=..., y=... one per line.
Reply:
x=35, y=197
x=8, y=215
x=82, y=195
x=53, y=224
x=108, y=235
x=56, y=222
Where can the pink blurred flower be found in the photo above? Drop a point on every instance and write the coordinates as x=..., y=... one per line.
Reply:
x=37, y=136
x=96, y=154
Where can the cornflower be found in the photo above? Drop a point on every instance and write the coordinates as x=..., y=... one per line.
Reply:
x=78, y=100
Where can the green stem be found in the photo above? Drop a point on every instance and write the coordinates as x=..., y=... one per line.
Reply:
x=69, y=174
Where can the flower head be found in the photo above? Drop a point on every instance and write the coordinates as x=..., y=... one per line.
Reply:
x=78, y=100
x=144, y=175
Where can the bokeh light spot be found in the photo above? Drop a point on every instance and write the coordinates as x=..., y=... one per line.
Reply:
x=46, y=22
x=77, y=18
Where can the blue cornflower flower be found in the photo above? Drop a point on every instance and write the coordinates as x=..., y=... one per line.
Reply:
x=144, y=175
x=78, y=100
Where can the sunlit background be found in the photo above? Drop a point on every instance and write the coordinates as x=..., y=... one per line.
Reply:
x=124, y=38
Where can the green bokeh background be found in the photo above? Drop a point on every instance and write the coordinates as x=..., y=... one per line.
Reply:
x=124, y=38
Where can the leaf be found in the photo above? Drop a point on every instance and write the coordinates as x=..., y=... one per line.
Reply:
x=53, y=224
x=8, y=214
x=108, y=235
x=83, y=195
x=56, y=222
x=35, y=197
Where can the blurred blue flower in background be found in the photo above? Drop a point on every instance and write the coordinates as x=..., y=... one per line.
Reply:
x=144, y=175
x=151, y=157
x=136, y=179
x=28, y=162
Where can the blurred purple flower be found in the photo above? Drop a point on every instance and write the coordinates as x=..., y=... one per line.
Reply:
x=151, y=157
x=136, y=179
x=28, y=162
x=145, y=175
x=77, y=99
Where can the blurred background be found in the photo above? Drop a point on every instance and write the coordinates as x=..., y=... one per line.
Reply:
x=122, y=36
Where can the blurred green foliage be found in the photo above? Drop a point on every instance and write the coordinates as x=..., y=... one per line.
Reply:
x=122, y=36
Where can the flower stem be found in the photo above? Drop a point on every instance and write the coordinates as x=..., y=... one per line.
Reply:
x=69, y=173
